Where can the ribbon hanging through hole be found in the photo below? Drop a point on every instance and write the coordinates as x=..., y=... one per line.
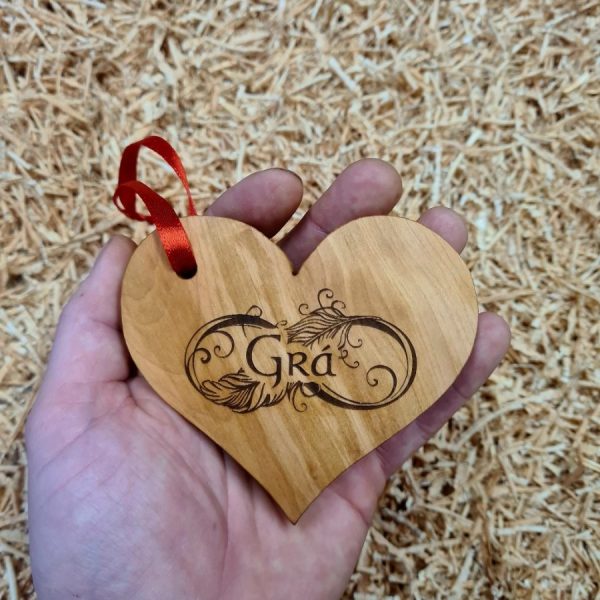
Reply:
x=170, y=230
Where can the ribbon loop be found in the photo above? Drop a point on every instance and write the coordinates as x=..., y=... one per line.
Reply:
x=170, y=230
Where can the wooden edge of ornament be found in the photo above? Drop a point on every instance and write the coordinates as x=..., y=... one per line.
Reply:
x=381, y=424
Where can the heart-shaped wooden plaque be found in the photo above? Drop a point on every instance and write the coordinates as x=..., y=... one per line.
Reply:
x=299, y=376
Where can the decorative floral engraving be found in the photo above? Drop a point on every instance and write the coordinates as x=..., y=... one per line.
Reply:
x=302, y=364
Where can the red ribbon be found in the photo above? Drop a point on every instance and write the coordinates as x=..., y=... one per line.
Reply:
x=170, y=230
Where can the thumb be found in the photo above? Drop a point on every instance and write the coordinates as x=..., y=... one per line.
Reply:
x=89, y=345
x=88, y=352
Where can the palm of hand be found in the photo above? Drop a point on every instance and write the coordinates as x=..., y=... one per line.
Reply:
x=127, y=500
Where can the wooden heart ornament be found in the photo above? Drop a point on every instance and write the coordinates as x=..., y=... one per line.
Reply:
x=299, y=376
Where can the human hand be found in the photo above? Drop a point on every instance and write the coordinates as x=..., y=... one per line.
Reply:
x=128, y=500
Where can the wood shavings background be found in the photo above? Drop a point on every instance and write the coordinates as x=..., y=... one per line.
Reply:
x=489, y=107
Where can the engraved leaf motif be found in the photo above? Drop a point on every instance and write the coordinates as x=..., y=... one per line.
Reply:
x=323, y=323
x=239, y=392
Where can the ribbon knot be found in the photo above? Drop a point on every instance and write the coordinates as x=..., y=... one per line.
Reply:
x=170, y=230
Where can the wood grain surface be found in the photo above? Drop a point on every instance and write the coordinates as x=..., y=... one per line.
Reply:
x=299, y=376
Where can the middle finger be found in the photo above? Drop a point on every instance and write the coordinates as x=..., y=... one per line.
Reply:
x=367, y=187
